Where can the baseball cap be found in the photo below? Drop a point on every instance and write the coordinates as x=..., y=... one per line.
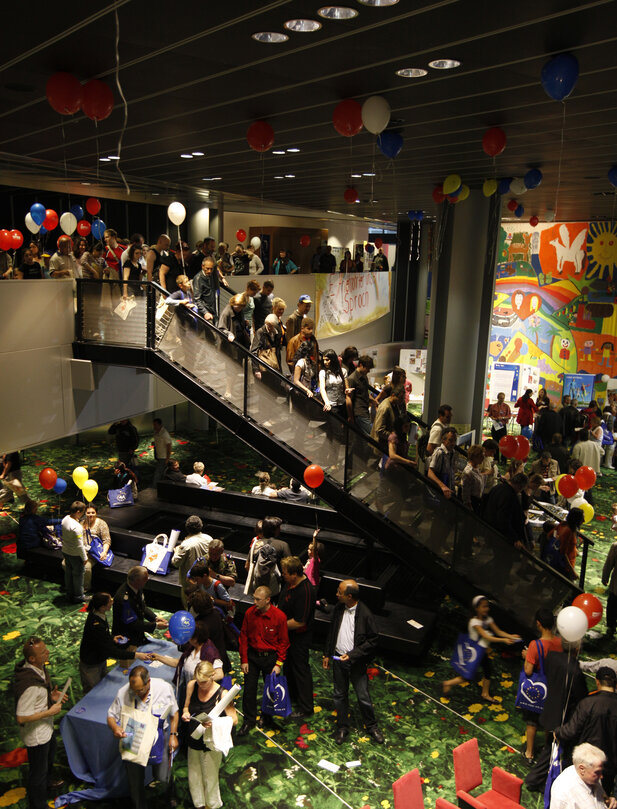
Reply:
x=305, y=299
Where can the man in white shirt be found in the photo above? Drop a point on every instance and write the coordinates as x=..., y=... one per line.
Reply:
x=63, y=264
x=579, y=786
x=150, y=695
x=75, y=556
x=588, y=452
x=162, y=449
x=351, y=643
x=37, y=704
x=194, y=545
x=444, y=417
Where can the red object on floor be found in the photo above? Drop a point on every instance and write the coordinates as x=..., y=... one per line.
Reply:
x=505, y=792
x=14, y=758
x=442, y=803
x=12, y=548
x=8, y=536
x=407, y=791
x=84, y=608
x=305, y=730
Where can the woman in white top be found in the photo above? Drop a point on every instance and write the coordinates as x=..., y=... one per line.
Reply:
x=264, y=487
x=332, y=388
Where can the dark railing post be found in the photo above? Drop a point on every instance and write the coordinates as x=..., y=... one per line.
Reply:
x=245, y=365
x=150, y=317
x=347, y=462
x=581, y=578
x=79, y=314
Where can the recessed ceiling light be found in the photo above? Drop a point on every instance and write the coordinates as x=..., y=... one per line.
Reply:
x=278, y=151
x=378, y=2
x=273, y=37
x=86, y=183
x=412, y=72
x=444, y=64
x=104, y=160
x=217, y=178
x=303, y=26
x=187, y=156
x=357, y=202
x=197, y=154
x=209, y=179
x=113, y=156
x=290, y=176
x=337, y=13
x=293, y=149
x=155, y=194
x=368, y=174
x=356, y=175
x=279, y=177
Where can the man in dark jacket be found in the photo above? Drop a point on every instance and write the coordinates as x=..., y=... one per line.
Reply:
x=351, y=643
x=205, y=288
x=548, y=423
x=570, y=420
x=595, y=721
x=503, y=509
x=127, y=440
x=132, y=618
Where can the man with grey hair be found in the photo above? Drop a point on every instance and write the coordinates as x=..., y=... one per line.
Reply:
x=578, y=786
x=197, y=478
x=194, y=545
x=132, y=618
x=221, y=566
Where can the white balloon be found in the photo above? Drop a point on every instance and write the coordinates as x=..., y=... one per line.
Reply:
x=578, y=500
x=376, y=114
x=549, y=216
x=176, y=213
x=31, y=224
x=572, y=623
x=255, y=242
x=518, y=187
x=68, y=223
x=605, y=377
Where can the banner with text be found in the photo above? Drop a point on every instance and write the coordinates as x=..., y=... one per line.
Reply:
x=347, y=301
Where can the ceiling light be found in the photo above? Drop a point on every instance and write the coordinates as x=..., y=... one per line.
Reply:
x=337, y=13
x=209, y=179
x=187, y=156
x=278, y=151
x=412, y=72
x=113, y=156
x=356, y=175
x=279, y=177
x=368, y=174
x=293, y=149
x=197, y=154
x=444, y=64
x=217, y=178
x=272, y=37
x=86, y=183
x=104, y=160
x=303, y=26
x=357, y=203
x=290, y=176
x=378, y=2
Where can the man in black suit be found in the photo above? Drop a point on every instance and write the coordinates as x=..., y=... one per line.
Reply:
x=352, y=640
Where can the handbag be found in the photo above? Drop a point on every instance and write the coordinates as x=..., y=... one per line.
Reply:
x=96, y=550
x=467, y=656
x=276, y=700
x=121, y=497
x=268, y=356
x=532, y=690
x=156, y=558
x=125, y=307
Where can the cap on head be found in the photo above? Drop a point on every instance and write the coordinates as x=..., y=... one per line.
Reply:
x=305, y=299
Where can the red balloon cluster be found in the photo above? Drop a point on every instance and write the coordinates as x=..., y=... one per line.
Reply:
x=47, y=478
x=516, y=447
x=241, y=235
x=347, y=118
x=66, y=96
x=83, y=227
x=494, y=141
x=313, y=476
x=585, y=477
x=591, y=606
x=351, y=195
x=93, y=206
x=11, y=239
x=260, y=136
x=568, y=486
x=305, y=241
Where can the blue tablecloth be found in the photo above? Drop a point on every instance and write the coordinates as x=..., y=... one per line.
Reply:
x=91, y=747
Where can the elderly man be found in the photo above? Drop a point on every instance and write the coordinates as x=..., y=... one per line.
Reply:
x=153, y=697
x=221, y=566
x=197, y=477
x=132, y=618
x=578, y=786
x=264, y=642
x=37, y=704
x=194, y=546
x=62, y=264
x=441, y=465
x=500, y=414
x=297, y=600
x=351, y=643
x=205, y=290
x=587, y=451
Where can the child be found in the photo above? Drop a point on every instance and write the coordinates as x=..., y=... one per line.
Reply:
x=484, y=631
x=315, y=552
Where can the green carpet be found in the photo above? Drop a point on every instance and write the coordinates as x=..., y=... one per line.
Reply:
x=421, y=727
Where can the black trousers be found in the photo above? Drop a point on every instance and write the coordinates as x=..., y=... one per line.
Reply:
x=611, y=612
x=259, y=663
x=343, y=673
x=498, y=435
x=40, y=764
x=298, y=672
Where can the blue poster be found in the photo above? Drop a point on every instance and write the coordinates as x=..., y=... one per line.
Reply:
x=579, y=387
x=505, y=379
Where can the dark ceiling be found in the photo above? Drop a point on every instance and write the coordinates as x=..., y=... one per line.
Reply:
x=194, y=80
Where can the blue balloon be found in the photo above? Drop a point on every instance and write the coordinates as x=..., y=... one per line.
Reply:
x=412, y=215
x=504, y=185
x=559, y=75
x=98, y=228
x=370, y=248
x=43, y=231
x=390, y=143
x=612, y=176
x=519, y=211
x=77, y=211
x=181, y=627
x=419, y=215
x=533, y=178
x=37, y=212
x=59, y=486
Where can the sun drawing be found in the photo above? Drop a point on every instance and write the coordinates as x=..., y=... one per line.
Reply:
x=601, y=250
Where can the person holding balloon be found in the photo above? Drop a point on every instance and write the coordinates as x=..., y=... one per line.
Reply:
x=74, y=552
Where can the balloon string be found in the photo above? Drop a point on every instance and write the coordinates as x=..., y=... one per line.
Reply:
x=98, y=154
x=66, y=176
x=563, y=125
x=180, y=243
x=126, y=108
x=373, y=175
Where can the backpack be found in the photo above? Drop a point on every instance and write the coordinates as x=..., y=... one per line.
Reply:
x=265, y=565
x=607, y=436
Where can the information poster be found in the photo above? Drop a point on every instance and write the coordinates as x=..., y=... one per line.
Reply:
x=504, y=379
x=579, y=387
x=344, y=302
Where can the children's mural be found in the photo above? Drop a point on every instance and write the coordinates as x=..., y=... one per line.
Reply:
x=555, y=304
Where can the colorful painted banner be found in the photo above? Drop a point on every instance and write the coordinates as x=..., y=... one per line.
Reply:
x=344, y=302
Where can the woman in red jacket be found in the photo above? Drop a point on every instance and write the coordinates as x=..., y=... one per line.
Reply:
x=526, y=411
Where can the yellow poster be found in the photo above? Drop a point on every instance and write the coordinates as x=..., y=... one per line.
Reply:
x=347, y=301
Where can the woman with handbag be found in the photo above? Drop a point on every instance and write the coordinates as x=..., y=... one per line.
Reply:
x=97, y=540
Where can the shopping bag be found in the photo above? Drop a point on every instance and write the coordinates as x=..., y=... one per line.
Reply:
x=531, y=693
x=156, y=558
x=276, y=700
x=125, y=307
x=120, y=497
x=467, y=656
x=96, y=550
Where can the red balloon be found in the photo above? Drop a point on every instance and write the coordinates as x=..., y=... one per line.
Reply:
x=313, y=476
x=93, y=206
x=5, y=240
x=585, y=477
x=347, y=118
x=260, y=136
x=438, y=195
x=507, y=446
x=47, y=478
x=16, y=239
x=494, y=141
x=350, y=195
x=240, y=235
x=522, y=448
x=98, y=100
x=568, y=486
x=83, y=227
x=51, y=220
x=64, y=93
x=591, y=606
x=533, y=221
x=378, y=242
x=512, y=205
x=305, y=241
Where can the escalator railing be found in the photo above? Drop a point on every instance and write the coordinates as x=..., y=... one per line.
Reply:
x=402, y=509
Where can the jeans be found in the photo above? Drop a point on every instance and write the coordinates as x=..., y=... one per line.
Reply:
x=136, y=776
x=343, y=673
x=40, y=764
x=74, y=576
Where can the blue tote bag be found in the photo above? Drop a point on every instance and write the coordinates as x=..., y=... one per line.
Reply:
x=467, y=656
x=532, y=690
x=276, y=700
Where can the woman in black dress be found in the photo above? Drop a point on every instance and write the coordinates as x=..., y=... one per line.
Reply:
x=131, y=271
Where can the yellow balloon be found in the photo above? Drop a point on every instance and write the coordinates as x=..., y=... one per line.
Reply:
x=90, y=490
x=464, y=193
x=557, y=479
x=451, y=184
x=587, y=510
x=80, y=476
x=489, y=188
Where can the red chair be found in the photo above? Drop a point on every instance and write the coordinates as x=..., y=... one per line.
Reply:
x=505, y=792
x=408, y=791
x=442, y=803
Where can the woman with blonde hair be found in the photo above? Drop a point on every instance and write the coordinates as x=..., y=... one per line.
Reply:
x=263, y=486
x=202, y=694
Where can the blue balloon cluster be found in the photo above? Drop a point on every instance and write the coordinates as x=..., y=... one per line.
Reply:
x=390, y=144
x=533, y=178
x=98, y=228
x=559, y=75
x=418, y=216
x=181, y=627
x=37, y=212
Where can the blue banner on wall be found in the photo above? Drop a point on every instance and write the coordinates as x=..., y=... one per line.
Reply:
x=579, y=387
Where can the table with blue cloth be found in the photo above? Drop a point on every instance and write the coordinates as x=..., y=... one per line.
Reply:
x=92, y=749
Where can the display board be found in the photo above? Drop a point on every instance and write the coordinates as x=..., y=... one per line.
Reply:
x=344, y=302
x=579, y=387
x=504, y=379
